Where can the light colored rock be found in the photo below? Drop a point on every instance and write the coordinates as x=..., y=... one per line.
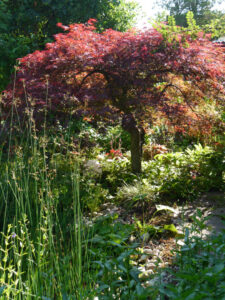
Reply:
x=156, y=252
x=180, y=243
x=148, y=251
x=154, y=261
x=143, y=258
x=141, y=269
x=145, y=275
x=132, y=238
x=161, y=265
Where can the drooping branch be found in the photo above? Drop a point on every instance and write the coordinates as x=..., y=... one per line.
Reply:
x=94, y=72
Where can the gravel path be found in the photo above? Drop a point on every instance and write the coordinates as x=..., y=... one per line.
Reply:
x=212, y=207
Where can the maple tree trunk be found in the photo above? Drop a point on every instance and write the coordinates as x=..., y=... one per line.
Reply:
x=137, y=137
x=136, y=150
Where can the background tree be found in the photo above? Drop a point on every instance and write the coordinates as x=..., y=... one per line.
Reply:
x=14, y=43
x=26, y=15
x=202, y=10
x=216, y=26
x=127, y=76
x=28, y=25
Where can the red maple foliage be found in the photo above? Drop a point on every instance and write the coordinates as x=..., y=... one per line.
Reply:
x=119, y=75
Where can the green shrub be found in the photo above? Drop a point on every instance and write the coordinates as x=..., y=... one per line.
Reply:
x=116, y=172
x=169, y=177
x=184, y=175
x=105, y=137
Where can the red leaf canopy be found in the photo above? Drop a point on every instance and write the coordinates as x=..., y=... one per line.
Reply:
x=111, y=74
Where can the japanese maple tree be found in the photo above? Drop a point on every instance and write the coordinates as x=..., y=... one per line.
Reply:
x=121, y=75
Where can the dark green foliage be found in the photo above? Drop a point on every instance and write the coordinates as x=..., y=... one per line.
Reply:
x=15, y=46
x=28, y=14
x=104, y=137
x=16, y=38
x=111, y=255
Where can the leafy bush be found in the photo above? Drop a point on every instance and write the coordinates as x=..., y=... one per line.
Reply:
x=116, y=172
x=183, y=175
x=172, y=176
x=105, y=137
x=92, y=194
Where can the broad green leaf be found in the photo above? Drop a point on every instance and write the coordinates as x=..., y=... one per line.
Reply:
x=219, y=267
x=171, y=228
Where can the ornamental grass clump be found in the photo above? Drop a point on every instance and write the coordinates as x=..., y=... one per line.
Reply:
x=43, y=251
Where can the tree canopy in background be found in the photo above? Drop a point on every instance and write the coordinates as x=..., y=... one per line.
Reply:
x=216, y=26
x=27, y=15
x=29, y=24
x=202, y=10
